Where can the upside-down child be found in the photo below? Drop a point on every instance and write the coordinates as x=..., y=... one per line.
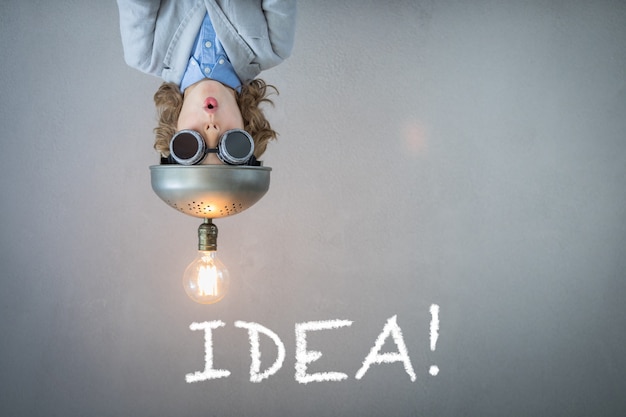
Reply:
x=209, y=53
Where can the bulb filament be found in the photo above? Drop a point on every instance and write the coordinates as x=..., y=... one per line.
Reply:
x=207, y=280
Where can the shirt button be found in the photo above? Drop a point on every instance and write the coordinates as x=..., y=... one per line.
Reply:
x=208, y=44
x=221, y=61
x=207, y=70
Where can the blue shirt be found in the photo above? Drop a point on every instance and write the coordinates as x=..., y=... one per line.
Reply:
x=209, y=60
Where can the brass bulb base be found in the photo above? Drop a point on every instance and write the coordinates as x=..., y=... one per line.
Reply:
x=207, y=236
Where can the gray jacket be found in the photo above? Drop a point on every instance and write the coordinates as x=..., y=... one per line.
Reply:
x=158, y=36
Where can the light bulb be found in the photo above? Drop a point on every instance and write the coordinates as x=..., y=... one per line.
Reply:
x=206, y=279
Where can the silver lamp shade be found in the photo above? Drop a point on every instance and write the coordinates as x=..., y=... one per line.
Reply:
x=210, y=191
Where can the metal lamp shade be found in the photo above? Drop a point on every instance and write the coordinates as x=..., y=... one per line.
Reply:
x=210, y=191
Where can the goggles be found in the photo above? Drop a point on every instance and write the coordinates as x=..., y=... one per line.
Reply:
x=235, y=147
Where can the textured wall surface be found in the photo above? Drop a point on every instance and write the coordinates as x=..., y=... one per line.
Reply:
x=466, y=154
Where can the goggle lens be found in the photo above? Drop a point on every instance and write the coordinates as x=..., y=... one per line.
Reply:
x=187, y=146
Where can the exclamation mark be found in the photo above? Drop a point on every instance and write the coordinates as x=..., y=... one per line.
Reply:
x=434, y=334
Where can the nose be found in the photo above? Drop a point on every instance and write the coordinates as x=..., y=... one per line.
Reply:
x=211, y=135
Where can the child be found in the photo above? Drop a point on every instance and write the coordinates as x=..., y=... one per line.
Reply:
x=208, y=52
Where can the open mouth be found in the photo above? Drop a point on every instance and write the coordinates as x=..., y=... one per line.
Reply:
x=210, y=103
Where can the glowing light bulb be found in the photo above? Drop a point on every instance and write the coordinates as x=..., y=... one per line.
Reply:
x=206, y=279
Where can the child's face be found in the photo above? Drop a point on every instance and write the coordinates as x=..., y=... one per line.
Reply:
x=210, y=108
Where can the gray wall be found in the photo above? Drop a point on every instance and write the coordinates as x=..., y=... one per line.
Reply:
x=465, y=154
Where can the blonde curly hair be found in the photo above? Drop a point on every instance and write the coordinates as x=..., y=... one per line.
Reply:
x=169, y=101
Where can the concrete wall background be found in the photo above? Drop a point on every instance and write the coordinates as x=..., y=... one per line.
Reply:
x=468, y=154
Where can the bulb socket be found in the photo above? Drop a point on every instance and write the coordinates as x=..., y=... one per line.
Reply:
x=207, y=236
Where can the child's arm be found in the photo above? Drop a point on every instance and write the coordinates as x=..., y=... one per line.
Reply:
x=137, y=27
x=280, y=16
